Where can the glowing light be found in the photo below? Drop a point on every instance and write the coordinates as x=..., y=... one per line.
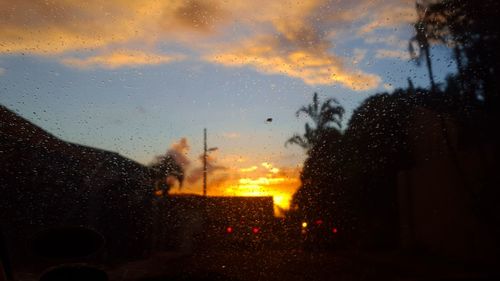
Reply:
x=267, y=165
x=249, y=169
x=255, y=230
x=261, y=181
x=319, y=222
x=269, y=181
x=270, y=167
x=229, y=229
x=280, y=198
x=304, y=224
x=334, y=230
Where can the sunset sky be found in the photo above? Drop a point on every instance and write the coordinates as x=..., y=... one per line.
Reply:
x=145, y=77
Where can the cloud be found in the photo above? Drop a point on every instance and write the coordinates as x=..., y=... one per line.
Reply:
x=59, y=26
x=298, y=43
x=195, y=15
x=359, y=55
x=234, y=159
x=387, y=17
x=249, y=169
x=218, y=181
x=259, y=182
x=392, y=54
x=225, y=178
x=270, y=168
x=120, y=58
x=390, y=41
x=231, y=135
x=388, y=87
x=314, y=65
x=43, y=27
x=298, y=39
x=196, y=174
x=2, y=71
x=179, y=151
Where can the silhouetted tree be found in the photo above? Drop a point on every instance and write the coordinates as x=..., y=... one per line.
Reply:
x=351, y=177
x=315, y=193
x=470, y=29
x=325, y=116
x=422, y=40
x=376, y=149
x=164, y=168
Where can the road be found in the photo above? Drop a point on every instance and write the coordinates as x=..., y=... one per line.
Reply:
x=285, y=264
x=241, y=265
x=292, y=265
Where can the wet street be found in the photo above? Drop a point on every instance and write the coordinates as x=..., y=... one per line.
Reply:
x=275, y=265
x=288, y=265
x=242, y=265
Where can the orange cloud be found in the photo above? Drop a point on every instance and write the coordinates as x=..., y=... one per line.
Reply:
x=120, y=58
x=227, y=179
x=280, y=183
x=195, y=15
x=196, y=174
x=270, y=167
x=298, y=47
x=280, y=186
x=314, y=66
x=291, y=38
x=179, y=151
x=42, y=27
x=249, y=169
x=58, y=26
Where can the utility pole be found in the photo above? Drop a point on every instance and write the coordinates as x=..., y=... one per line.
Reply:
x=205, y=162
x=206, y=150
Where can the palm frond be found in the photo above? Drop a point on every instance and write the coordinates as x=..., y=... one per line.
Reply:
x=323, y=115
x=298, y=140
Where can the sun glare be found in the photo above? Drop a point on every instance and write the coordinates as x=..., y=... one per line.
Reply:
x=259, y=187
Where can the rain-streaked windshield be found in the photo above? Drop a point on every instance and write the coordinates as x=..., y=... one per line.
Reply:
x=249, y=140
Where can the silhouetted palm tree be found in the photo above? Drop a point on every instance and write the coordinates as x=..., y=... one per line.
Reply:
x=325, y=116
x=439, y=23
x=422, y=40
x=470, y=28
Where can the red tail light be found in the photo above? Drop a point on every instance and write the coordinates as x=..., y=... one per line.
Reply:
x=255, y=230
x=334, y=230
x=229, y=229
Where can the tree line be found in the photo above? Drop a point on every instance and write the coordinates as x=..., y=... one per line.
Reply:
x=351, y=175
